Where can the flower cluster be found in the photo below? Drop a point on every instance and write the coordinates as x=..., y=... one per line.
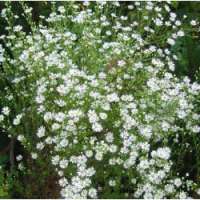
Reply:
x=97, y=93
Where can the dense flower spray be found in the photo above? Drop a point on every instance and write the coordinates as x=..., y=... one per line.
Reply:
x=96, y=90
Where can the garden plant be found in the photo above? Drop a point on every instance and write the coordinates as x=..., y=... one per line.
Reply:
x=91, y=97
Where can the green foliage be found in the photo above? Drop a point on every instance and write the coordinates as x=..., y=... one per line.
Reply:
x=188, y=51
x=4, y=184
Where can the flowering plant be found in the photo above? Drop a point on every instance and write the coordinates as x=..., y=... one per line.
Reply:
x=91, y=92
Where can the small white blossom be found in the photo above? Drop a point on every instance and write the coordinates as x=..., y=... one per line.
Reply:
x=41, y=132
x=6, y=110
x=19, y=157
x=17, y=120
x=34, y=155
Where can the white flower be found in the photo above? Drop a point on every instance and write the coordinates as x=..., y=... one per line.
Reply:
x=177, y=23
x=17, y=119
x=40, y=146
x=112, y=183
x=89, y=153
x=80, y=18
x=63, y=182
x=92, y=193
x=146, y=131
x=180, y=33
x=55, y=126
x=158, y=22
x=103, y=116
x=108, y=33
x=1, y=118
x=165, y=126
x=181, y=114
x=113, y=148
x=169, y=188
x=177, y=182
x=21, y=166
x=98, y=156
x=28, y=10
x=5, y=110
x=60, y=173
x=193, y=22
x=93, y=117
x=62, y=90
x=61, y=9
x=55, y=160
x=49, y=140
x=19, y=157
x=130, y=7
x=40, y=99
x=41, y=132
x=34, y=155
x=153, y=85
x=48, y=116
x=86, y=3
x=112, y=97
x=198, y=191
x=96, y=127
x=17, y=28
x=20, y=138
x=163, y=153
x=64, y=143
x=76, y=113
x=60, y=103
x=170, y=41
x=59, y=117
x=121, y=63
x=196, y=129
x=109, y=137
x=24, y=56
x=127, y=98
x=63, y=164
x=182, y=195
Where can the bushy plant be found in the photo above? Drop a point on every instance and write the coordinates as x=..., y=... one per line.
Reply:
x=91, y=93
